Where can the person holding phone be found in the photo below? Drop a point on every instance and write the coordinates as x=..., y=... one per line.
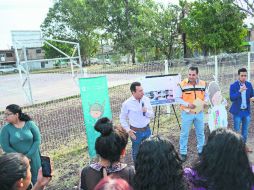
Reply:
x=21, y=135
x=46, y=166
x=135, y=116
x=241, y=92
x=15, y=173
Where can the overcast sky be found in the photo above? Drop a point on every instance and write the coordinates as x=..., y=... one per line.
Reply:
x=26, y=15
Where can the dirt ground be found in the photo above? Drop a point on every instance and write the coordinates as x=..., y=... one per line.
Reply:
x=172, y=133
x=70, y=166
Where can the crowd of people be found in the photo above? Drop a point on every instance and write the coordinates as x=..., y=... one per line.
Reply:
x=222, y=162
x=223, y=165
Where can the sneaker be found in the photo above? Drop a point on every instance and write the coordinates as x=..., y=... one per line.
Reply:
x=183, y=157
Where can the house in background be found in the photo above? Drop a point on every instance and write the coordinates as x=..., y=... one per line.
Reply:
x=35, y=53
x=7, y=57
x=249, y=40
x=32, y=41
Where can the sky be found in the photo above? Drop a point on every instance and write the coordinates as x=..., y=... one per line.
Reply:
x=26, y=15
x=21, y=15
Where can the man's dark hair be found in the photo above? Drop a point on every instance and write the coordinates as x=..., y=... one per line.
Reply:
x=242, y=70
x=193, y=68
x=133, y=86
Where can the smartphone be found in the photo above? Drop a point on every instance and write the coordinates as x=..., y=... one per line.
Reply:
x=46, y=167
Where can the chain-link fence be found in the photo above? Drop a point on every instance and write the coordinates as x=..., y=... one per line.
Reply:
x=59, y=113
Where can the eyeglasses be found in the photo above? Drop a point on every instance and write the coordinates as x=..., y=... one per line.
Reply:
x=8, y=114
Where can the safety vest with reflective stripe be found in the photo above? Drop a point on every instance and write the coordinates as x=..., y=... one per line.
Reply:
x=192, y=92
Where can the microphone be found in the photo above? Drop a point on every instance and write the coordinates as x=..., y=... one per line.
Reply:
x=143, y=105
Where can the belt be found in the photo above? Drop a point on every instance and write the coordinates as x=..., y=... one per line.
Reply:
x=139, y=129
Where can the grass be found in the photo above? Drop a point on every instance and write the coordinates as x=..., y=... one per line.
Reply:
x=69, y=160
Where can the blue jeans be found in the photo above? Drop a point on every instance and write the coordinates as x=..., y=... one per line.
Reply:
x=188, y=119
x=245, y=120
x=140, y=136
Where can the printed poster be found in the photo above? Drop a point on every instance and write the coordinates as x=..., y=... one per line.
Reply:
x=95, y=105
x=161, y=89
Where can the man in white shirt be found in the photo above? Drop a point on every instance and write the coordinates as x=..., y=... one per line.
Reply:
x=135, y=116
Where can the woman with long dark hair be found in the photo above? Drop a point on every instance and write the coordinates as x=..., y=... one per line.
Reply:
x=224, y=164
x=21, y=135
x=158, y=166
x=15, y=173
x=110, y=147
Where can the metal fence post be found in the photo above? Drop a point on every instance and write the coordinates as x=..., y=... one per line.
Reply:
x=166, y=67
x=249, y=67
x=216, y=68
x=166, y=73
x=80, y=60
x=28, y=76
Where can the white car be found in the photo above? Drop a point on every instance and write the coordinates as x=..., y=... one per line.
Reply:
x=8, y=69
x=108, y=62
x=94, y=61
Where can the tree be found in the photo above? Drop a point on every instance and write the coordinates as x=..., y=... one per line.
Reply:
x=132, y=25
x=245, y=5
x=122, y=19
x=72, y=21
x=185, y=6
x=165, y=32
x=214, y=26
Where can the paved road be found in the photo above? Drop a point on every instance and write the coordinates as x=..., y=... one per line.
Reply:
x=46, y=87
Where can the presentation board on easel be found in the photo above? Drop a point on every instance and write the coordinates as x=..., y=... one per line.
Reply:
x=161, y=89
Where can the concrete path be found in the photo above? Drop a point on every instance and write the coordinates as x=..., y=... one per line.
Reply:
x=50, y=86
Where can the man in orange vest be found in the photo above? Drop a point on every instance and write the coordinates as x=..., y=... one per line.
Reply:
x=191, y=89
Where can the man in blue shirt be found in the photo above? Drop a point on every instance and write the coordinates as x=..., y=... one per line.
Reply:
x=241, y=91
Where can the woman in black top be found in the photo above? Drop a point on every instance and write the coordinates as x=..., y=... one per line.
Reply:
x=110, y=146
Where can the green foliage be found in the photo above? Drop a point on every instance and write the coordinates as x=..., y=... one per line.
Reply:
x=71, y=20
x=52, y=53
x=246, y=6
x=214, y=26
x=165, y=33
x=131, y=25
x=145, y=29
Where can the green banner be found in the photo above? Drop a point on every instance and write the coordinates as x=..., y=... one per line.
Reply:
x=95, y=105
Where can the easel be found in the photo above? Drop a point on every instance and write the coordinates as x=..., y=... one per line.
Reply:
x=157, y=116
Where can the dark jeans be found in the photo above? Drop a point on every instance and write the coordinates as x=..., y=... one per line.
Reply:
x=140, y=136
x=245, y=120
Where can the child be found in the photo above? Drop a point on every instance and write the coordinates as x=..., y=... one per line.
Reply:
x=217, y=112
